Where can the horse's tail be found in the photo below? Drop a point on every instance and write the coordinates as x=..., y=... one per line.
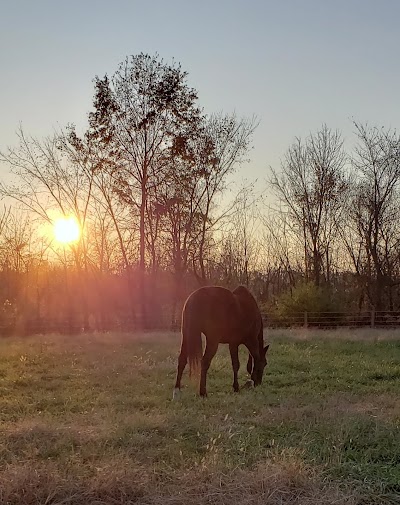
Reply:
x=191, y=339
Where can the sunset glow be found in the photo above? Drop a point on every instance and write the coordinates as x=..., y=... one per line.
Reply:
x=66, y=230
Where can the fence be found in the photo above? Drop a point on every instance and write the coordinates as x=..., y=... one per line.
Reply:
x=371, y=319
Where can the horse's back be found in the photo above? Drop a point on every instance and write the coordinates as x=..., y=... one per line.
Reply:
x=213, y=310
x=229, y=316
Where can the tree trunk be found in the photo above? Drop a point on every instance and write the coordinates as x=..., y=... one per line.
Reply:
x=142, y=257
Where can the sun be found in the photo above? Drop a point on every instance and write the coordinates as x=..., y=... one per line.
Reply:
x=66, y=229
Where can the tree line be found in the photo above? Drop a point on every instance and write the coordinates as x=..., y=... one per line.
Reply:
x=149, y=183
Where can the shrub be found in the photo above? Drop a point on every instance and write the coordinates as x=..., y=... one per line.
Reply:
x=321, y=305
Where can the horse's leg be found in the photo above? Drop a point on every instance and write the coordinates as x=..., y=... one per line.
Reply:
x=254, y=357
x=209, y=353
x=250, y=364
x=234, y=350
x=182, y=360
x=253, y=350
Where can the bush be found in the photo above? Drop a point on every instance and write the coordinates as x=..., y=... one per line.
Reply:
x=321, y=305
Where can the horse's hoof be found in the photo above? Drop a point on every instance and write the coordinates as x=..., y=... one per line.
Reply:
x=176, y=394
x=248, y=384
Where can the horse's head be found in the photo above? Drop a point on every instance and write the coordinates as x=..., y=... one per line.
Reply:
x=258, y=367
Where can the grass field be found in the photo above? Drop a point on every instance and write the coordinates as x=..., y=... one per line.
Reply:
x=89, y=420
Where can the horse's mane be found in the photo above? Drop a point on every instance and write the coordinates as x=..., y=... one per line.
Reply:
x=241, y=290
x=243, y=293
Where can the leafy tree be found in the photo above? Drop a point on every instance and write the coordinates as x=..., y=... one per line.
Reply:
x=137, y=115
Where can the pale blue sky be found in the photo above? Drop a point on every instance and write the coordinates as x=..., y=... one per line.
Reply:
x=295, y=64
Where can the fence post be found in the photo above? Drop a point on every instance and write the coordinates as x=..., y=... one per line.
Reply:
x=373, y=318
x=306, y=319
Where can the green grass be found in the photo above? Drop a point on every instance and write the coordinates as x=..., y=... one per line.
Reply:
x=89, y=419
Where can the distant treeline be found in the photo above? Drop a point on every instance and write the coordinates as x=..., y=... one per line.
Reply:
x=148, y=183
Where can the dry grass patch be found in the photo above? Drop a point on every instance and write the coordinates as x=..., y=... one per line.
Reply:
x=47, y=484
x=384, y=407
x=283, y=481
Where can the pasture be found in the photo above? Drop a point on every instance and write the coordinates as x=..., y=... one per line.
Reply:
x=89, y=419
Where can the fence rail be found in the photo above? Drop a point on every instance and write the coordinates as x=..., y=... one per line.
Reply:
x=371, y=319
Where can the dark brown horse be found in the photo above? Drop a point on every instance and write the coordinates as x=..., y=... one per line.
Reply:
x=224, y=317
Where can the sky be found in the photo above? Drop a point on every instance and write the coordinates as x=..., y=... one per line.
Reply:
x=295, y=64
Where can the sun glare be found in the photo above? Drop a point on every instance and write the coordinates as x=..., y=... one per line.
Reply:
x=66, y=230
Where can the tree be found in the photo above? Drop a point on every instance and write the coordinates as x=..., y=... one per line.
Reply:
x=143, y=181
x=240, y=243
x=138, y=113
x=49, y=185
x=227, y=142
x=375, y=213
x=311, y=189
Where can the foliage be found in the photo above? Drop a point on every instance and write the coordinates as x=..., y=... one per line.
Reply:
x=306, y=297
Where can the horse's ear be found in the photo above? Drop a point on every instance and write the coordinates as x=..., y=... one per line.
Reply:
x=266, y=349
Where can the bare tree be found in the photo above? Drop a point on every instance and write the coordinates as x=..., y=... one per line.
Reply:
x=311, y=188
x=373, y=233
x=48, y=184
x=230, y=138
x=240, y=244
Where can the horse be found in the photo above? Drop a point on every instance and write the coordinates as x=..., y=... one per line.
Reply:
x=224, y=317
